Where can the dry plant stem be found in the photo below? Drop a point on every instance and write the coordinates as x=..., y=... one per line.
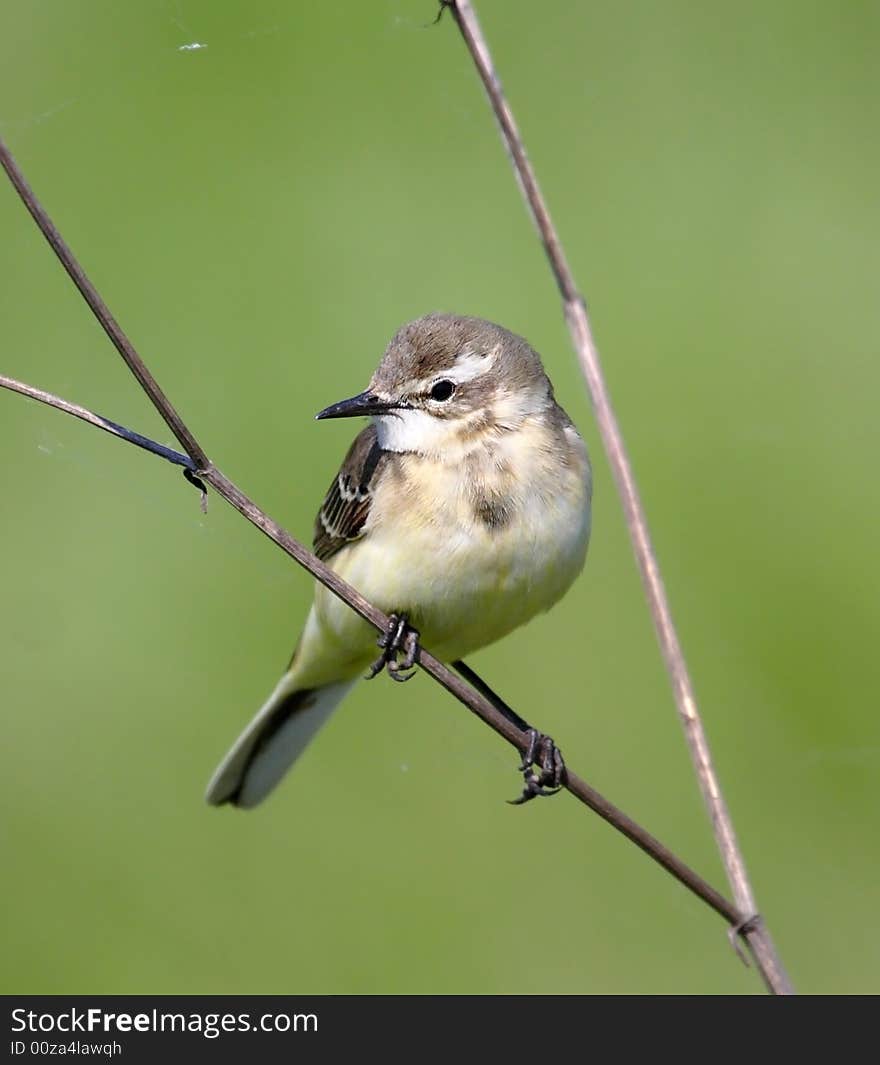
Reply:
x=98, y=421
x=473, y=699
x=758, y=937
x=477, y=695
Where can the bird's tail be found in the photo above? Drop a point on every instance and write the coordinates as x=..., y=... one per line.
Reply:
x=273, y=741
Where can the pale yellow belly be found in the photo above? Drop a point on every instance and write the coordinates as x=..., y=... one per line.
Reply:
x=463, y=586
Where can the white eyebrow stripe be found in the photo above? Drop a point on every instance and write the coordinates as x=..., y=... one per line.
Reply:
x=467, y=366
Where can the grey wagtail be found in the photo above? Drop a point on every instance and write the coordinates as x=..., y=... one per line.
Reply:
x=463, y=509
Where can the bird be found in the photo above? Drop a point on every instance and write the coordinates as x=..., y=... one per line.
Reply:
x=462, y=510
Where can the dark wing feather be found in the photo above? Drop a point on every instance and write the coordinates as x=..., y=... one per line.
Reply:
x=346, y=507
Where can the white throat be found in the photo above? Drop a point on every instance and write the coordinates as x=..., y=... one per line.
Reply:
x=422, y=432
x=415, y=430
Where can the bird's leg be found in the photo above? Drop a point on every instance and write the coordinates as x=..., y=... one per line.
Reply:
x=541, y=750
x=400, y=638
x=543, y=753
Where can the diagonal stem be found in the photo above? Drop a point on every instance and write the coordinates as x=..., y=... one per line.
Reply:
x=474, y=700
x=588, y=355
x=477, y=696
x=476, y=681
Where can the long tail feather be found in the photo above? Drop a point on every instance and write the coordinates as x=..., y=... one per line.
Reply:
x=272, y=742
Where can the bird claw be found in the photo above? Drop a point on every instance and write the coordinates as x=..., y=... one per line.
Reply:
x=399, y=639
x=543, y=753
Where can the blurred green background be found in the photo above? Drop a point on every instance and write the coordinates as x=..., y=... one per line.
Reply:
x=261, y=213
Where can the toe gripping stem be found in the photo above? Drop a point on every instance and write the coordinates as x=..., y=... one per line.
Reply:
x=541, y=754
x=400, y=650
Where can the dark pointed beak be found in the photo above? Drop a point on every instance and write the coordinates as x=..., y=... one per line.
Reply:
x=360, y=406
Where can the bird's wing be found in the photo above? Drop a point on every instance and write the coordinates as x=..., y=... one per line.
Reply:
x=346, y=507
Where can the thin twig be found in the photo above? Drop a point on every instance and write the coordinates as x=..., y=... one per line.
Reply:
x=98, y=421
x=483, y=701
x=758, y=937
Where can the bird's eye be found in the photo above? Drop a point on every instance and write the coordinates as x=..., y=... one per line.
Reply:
x=442, y=391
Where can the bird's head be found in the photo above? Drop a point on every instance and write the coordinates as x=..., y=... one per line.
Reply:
x=446, y=379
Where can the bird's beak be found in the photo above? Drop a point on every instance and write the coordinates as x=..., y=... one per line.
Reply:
x=359, y=406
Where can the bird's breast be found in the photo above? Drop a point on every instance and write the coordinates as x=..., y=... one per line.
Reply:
x=474, y=548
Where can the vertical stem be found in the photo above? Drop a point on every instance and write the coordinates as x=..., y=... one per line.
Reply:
x=588, y=355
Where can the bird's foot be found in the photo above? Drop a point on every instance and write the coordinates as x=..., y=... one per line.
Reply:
x=543, y=754
x=400, y=650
